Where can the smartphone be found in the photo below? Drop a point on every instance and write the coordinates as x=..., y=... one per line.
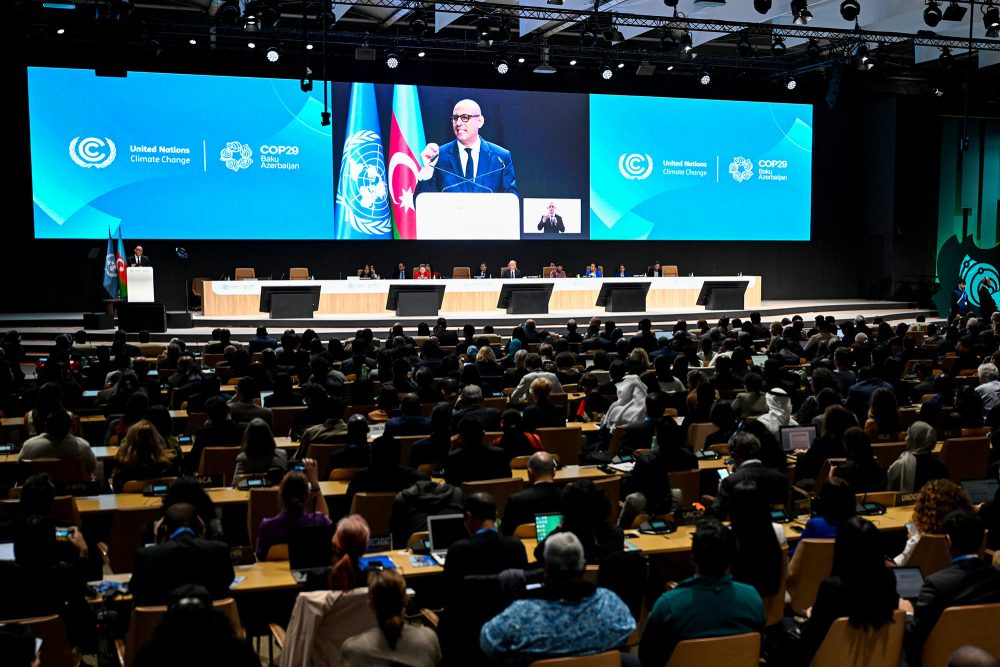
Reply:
x=63, y=534
x=185, y=440
x=299, y=467
x=724, y=473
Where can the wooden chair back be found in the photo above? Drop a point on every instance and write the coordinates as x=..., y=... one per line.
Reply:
x=62, y=471
x=321, y=452
x=461, y=272
x=697, y=433
x=219, y=461
x=63, y=508
x=261, y=504
x=195, y=420
x=847, y=645
x=525, y=531
x=342, y=474
x=145, y=619
x=56, y=650
x=212, y=360
x=500, y=489
x=606, y=659
x=416, y=539
x=689, y=483
x=376, y=508
x=887, y=498
x=298, y=273
x=668, y=271
x=563, y=441
x=244, y=273
x=732, y=651
x=774, y=605
x=959, y=626
x=282, y=418
x=930, y=554
x=198, y=285
x=125, y=538
x=886, y=453
x=811, y=564
x=611, y=487
x=277, y=552
x=966, y=458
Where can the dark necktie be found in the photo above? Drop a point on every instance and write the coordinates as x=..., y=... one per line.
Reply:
x=470, y=168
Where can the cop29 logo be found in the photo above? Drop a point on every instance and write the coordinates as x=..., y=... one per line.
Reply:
x=635, y=166
x=236, y=155
x=741, y=169
x=92, y=152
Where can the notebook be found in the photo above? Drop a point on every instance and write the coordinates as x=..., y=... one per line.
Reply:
x=797, y=437
x=443, y=531
x=545, y=524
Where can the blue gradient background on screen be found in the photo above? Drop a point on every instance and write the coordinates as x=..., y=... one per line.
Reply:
x=203, y=200
x=713, y=208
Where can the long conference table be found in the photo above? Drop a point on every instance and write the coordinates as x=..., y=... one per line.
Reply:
x=365, y=297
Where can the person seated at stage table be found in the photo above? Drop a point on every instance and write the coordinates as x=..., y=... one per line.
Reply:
x=484, y=271
x=302, y=504
x=622, y=272
x=142, y=455
x=593, y=272
x=655, y=270
x=511, y=271
x=400, y=273
x=423, y=273
x=369, y=273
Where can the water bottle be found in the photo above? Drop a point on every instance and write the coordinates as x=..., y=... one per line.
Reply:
x=655, y=445
x=364, y=371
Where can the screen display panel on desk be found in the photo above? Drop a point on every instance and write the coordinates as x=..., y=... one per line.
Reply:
x=177, y=156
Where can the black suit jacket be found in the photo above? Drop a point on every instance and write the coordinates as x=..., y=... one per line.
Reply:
x=470, y=464
x=542, y=498
x=506, y=273
x=484, y=553
x=142, y=261
x=773, y=483
x=967, y=582
x=544, y=415
x=547, y=227
x=488, y=417
x=162, y=568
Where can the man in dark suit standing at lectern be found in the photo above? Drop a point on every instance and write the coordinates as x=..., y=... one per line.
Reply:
x=511, y=271
x=551, y=223
x=138, y=259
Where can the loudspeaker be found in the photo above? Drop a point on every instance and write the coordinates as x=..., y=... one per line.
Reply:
x=98, y=321
x=139, y=316
x=179, y=319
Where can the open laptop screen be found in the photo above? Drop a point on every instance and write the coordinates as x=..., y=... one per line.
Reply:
x=310, y=547
x=797, y=437
x=980, y=490
x=545, y=524
x=445, y=530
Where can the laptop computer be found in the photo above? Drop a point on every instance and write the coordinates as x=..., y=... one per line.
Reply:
x=797, y=437
x=310, y=551
x=758, y=359
x=909, y=581
x=443, y=531
x=6, y=551
x=980, y=490
x=545, y=524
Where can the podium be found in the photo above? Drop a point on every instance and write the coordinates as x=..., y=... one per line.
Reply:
x=723, y=294
x=419, y=299
x=445, y=216
x=525, y=298
x=140, y=284
x=623, y=297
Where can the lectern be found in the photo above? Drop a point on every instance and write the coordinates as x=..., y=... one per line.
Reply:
x=722, y=294
x=140, y=284
x=415, y=299
x=525, y=298
x=627, y=297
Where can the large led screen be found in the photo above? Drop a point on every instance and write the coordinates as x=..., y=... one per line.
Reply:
x=170, y=156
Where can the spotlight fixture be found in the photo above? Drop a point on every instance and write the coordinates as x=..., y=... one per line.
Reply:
x=193, y=42
x=932, y=14
x=229, y=13
x=251, y=23
x=778, y=47
x=865, y=60
x=612, y=34
x=668, y=42
x=800, y=12
x=572, y=62
x=954, y=12
x=670, y=3
x=705, y=78
x=251, y=45
x=743, y=47
x=762, y=6
x=309, y=47
x=588, y=36
x=686, y=42
x=483, y=24
x=269, y=16
x=946, y=57
x=273, y=54
x=504, y=32
x=391, y=60
x=520, y=61
x=606, y=72
x=421, y=54
x=849, y=10
x=545, y=67
x=790, y=82
x=812, y=50
x=502, y=65
x=991, y=19
x=306, y=85
x=418, y=25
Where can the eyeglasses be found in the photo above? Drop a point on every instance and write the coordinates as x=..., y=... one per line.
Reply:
x=465, y=117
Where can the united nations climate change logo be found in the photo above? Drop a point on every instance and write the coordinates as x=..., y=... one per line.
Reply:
x=635, y=166
x=741, y=169
x=111, y=267
x=92, y=152
x=364, y=191
x=236, y=155
x=973, y=272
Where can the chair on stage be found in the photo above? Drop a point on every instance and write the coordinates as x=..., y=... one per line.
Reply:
x=669, y=271
x=245, y=273
x=298, y=273
x=461, y=272
x=198, y=289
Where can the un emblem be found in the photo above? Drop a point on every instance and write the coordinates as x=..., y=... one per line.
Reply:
x=973, y=272
x=364, y=193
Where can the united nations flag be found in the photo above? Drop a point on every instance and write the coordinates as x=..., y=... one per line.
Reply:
x=362, y=208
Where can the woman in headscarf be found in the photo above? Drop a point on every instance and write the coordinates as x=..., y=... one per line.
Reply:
x=917, y=465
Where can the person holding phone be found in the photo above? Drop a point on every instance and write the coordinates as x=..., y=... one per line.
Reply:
x=302, y=504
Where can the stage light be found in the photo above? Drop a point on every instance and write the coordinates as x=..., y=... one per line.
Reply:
x=588, y=36
x=251, y=23
x=790, y=82
x=668, y=42
x=743, y=47
x=309, y=47
x=229, y=13
x=269, y=16
x=483, y=24
x=991, y=19
x=504, y=32
x=607, y=72
x=686, y=42
x=865, y=60
x=932, y=14
x=762, y=6
x=670, y=3
x=421, y=54
x=273, y=54
x=193, y=42
x=849, y=10
x=305, y=85
x=621, y=65
x=418, y=25
x=813, y=50
x=502, y=66
x=778, y=47
x=800, y=12
x=954, y=12
x=391, y=60
x=520, y=60
x=572, y=62
x=61, y=31
x=946, y=57
x=251, y=45
x=705, y=78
